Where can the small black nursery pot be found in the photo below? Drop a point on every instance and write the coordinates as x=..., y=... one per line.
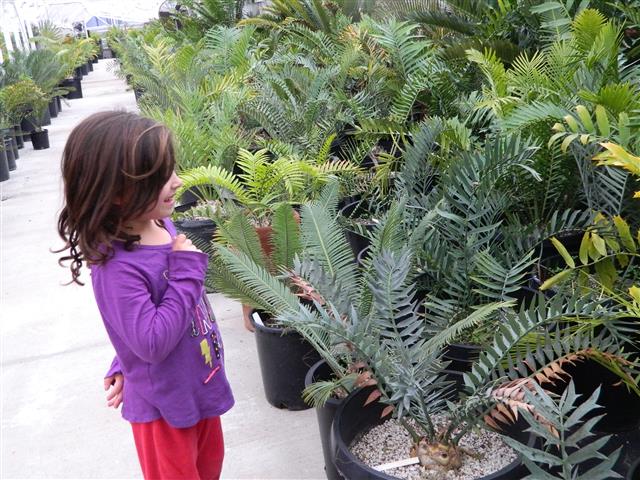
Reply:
x=17, y=135
x=40, y=139
x=4, y=166
x=53, y=108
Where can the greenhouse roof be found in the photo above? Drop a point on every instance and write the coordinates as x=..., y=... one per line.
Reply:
x=94, y=13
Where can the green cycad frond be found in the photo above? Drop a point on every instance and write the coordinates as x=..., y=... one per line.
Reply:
x=318, y=393
x=405, y=48
x=324, y=242
x=216, y=177
x=557, y=16
x=258, y=284
x=495, y=362
x=586, y=27
x=530, y=114
x=286, y=236
x=497, y=281
x=617, y=98
x=448, y=335
x=239, y=233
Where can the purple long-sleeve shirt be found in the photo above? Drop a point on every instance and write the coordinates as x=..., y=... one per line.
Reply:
x=167, y=342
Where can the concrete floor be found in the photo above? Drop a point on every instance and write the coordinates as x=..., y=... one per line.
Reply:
x=54, y=350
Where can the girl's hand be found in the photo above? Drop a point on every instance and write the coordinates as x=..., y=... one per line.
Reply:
x=182, y=243
x=114, y=384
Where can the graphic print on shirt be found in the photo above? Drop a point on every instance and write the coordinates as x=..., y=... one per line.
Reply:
x=202, y=325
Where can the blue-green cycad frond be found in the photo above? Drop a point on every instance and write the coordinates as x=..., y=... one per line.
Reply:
x=565, y=426
x=393, y=309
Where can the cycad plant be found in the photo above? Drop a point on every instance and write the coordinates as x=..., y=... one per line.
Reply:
x=579, y=67
x=263, y=182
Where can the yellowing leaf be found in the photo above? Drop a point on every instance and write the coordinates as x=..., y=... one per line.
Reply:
x=585, y=118
x=572, y=122
x=584, y=248
x=625, y=233
x=598, y=244
x=635, y=293
x=602, y=121
x=563, y=251
x=557, y=278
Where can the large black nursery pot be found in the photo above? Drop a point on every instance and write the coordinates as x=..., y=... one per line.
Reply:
x=17, y=135
x=40, y=140
x=4, y=166
x=353, y=419
x=198, y=230
x=318, y=372
x=285, y=358
x=77, y=73
x=90, y=65
x=53, y=108
x=84, y=68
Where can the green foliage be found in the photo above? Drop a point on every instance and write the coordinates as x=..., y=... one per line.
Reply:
x=24, y=99
x=566, y=434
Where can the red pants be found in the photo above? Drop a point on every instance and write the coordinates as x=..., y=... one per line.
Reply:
x=168, y=453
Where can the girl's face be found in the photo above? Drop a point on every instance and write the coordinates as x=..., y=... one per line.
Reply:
x=166, y=200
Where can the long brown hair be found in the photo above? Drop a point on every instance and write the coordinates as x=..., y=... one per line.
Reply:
x=114, y=166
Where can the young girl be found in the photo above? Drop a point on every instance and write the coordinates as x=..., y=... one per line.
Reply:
x=119, y=183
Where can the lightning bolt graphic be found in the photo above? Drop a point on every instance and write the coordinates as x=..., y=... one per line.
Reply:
x=206, y=352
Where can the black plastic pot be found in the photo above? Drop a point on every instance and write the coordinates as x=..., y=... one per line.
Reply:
x=354, y=419
x=40, y=139
x=46, y=118
x=84, y=68
x=75, y=85
x=14, y=143
x=461, y=355
x=95, y=59
x=351, y=211
x=26, y=127
x=199, y=231
x=77, y=73
x=90, y=65
x=634, y=471
x=8, y=150
x=59, y=102
x=187, y=200
x=4, y=166
x=285, y=358
x=17, y=135
x=53, y=108
x=318, y=372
